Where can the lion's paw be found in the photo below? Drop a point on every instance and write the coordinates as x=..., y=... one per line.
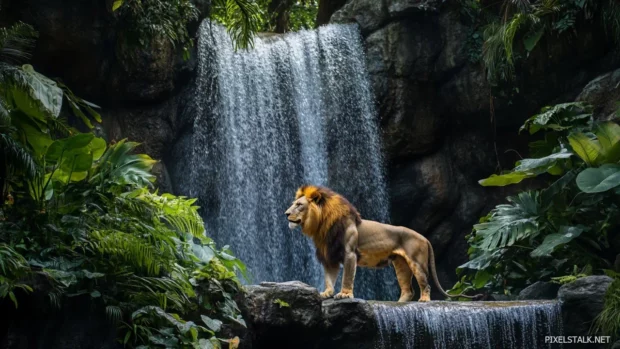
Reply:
x=327, y=294
x=424, y=299
x=343, y=295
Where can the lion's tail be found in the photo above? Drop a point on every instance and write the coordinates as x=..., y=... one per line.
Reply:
x=431, y=255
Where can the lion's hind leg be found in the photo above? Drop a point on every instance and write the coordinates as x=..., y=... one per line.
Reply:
x=420, y=275
x=404, y=275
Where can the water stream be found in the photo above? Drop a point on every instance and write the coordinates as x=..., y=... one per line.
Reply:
x=468, y=325
x=295, y=109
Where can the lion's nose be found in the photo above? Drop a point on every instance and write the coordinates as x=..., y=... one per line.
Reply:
x=287, y=213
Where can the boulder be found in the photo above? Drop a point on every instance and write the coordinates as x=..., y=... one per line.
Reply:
x=603, y=92
x=369, y=14
x=278, y=315
x=539, y=290
x=582, y=300
x=349, y=323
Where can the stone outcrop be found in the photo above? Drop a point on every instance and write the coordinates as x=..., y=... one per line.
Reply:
x=582, y=300
x=539, y=290
x=443, y=128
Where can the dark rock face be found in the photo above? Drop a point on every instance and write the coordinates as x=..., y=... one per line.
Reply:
x=582, y=300
x=282, y=313
x=539, y=290
x=349, y=323
x=443, y=130
x=292, y=315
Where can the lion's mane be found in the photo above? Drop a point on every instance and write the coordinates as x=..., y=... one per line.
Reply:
x=326, y=222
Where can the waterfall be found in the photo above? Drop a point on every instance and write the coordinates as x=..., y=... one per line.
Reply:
x=468, y=325
x=295, y=109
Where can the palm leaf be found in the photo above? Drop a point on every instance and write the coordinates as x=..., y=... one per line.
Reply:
x=511, y=222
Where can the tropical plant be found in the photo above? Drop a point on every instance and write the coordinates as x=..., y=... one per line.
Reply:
x=512, y=29
x=568, y=227
x=146, y=21
x=80, y=215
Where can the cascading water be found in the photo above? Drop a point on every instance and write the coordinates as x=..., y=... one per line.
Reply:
x=295, y=109
x=468, y=325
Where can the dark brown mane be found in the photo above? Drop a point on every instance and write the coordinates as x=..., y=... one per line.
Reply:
x=328, y=222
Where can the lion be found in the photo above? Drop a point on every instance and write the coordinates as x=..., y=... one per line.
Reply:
x=341, y=236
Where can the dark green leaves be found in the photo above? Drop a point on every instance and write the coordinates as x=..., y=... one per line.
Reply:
x=552, y=241
x=560, y=117
x=598, y=180
x=510, y=223
x=526, y=168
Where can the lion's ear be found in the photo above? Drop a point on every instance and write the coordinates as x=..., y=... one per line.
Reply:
x=315, y=196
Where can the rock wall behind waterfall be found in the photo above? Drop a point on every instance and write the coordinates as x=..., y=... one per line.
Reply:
x=433, y=104
x=435, y=108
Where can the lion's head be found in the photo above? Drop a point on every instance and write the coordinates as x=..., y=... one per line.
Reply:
x=296, y=214
x=316, y=209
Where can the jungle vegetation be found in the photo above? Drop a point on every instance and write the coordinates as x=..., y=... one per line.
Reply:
x=81, y=218
x=570, y=227
x=144, y=21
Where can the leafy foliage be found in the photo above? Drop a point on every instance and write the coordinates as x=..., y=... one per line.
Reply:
x=511, y=29
x=145, y=22
x=570, y=225
x=80, y=214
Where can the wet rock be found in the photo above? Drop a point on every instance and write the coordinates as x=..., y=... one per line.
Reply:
x=539, y=290
x=603, y=92
x=283, y=315
x=582, y=300
x=349, y=323
x=398, y=8
x=369, y=14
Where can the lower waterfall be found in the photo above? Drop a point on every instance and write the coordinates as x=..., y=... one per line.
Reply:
x=296, y=109
x=468, y=325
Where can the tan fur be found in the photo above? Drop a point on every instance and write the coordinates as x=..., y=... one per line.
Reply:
x=338, y=230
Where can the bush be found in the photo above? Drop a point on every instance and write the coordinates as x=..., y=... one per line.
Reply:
x=567, y=228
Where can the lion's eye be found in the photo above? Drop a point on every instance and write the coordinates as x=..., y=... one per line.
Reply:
x=298, y=204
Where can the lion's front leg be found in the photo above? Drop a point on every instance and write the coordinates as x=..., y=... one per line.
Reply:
x=350, y=263
x=331, y=274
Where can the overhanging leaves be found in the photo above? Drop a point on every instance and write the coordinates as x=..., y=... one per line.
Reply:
x=565, y=235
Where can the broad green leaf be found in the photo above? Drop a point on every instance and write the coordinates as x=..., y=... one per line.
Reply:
x=38, y=140
x=547, y=195
x=213, y=324
x=482, y=261
x=39, y=98
x=481, y=278
x=117, y=4
x=598, y=180
x=608, y=135
x=204, y=253
x=589, y=150
x=531, y=39
x=77, y=162
x=543, y=164
x=505, y=179
x=68, y=146
x=559, y=117
x=97, y=147
x=564, y=236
